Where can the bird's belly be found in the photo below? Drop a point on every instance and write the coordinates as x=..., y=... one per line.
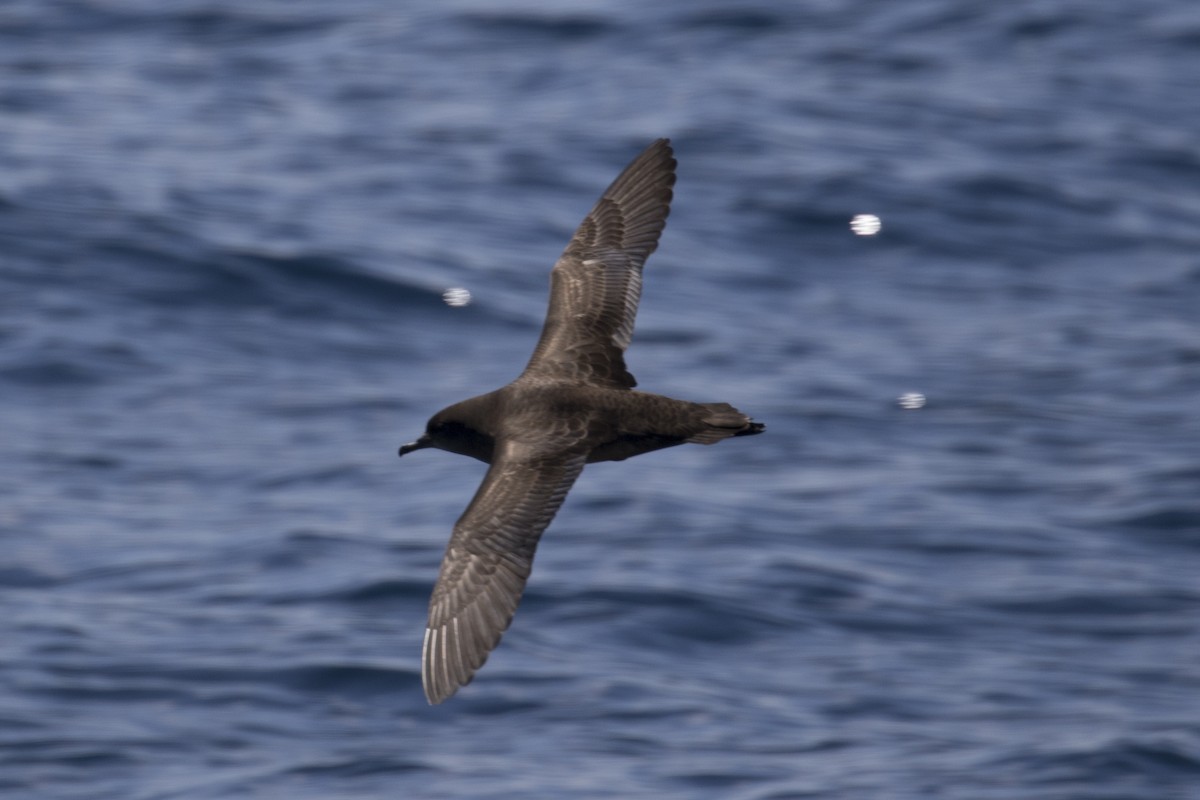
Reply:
x=630, y=445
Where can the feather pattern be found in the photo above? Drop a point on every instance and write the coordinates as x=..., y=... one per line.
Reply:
x=597, y=282
x=488, y=560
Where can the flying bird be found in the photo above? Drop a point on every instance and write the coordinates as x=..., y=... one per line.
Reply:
x=573, y=405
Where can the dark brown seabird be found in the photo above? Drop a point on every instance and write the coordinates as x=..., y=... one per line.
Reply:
x=572, y=405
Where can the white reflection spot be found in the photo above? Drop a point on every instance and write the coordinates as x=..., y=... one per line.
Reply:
x=456, y=296
x=911, y=400
x=865, y=224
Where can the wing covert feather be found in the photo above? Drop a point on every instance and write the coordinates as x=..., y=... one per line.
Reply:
x=487, y=562
x=596, y=284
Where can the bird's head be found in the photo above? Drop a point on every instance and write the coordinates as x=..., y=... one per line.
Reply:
x=454, y=431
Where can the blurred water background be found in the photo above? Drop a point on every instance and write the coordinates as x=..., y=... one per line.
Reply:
x=225, y=232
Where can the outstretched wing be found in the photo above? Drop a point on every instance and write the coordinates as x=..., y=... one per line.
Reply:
x=597, y=282
x=488, y=561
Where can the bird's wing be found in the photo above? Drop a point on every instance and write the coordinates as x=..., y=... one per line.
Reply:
x=597, y=282
x=488, y=561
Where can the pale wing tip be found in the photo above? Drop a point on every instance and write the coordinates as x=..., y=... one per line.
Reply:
x=449, y=660
x=435, y=677
x=436, y=680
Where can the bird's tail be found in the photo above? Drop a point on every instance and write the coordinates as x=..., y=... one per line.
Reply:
x=722, y=421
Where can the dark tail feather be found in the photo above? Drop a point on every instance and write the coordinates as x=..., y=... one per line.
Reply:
x=751, y=429
x=721, y=421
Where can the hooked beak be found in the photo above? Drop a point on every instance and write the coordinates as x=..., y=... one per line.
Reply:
x=419, y=444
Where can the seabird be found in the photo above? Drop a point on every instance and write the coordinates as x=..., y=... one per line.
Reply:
x=574, y=404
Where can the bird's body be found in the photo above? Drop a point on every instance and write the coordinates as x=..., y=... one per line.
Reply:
x=573, y=405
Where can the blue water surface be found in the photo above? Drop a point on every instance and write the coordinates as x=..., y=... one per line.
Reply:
x=225, y=231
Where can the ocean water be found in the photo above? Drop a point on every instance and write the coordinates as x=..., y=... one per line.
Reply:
x=225, y=232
